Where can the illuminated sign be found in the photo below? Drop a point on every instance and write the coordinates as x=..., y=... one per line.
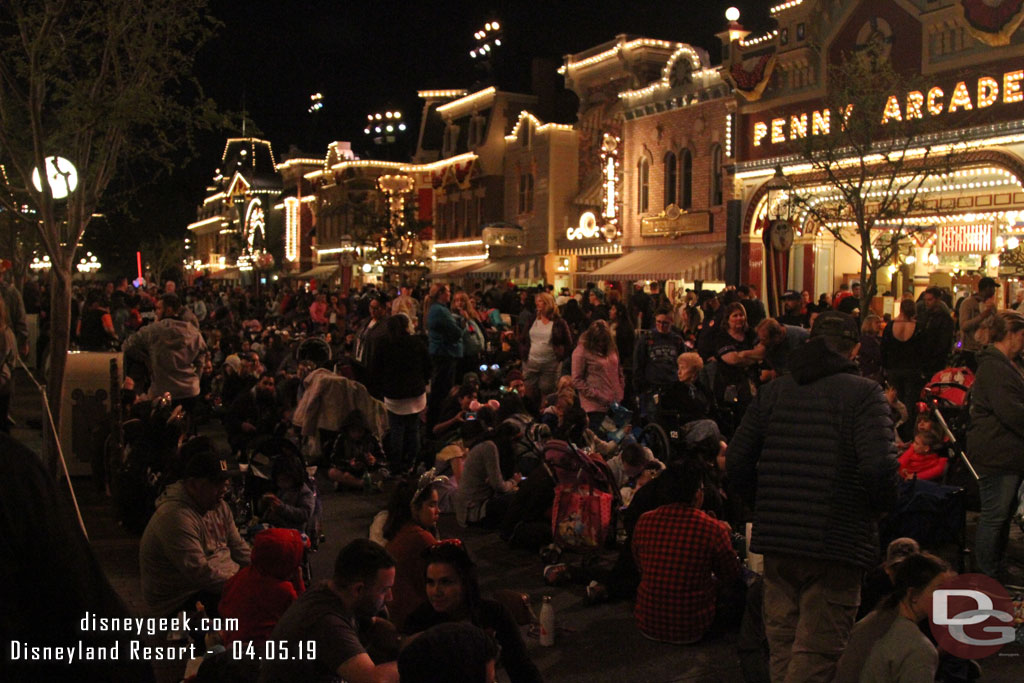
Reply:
x=610, y=200
x=985, y=92
x=291, y=228
x=965, y=239
x=586, y=229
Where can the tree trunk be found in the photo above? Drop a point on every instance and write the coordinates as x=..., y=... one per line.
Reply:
x=60, y=337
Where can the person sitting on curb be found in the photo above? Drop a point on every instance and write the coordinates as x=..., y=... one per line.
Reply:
x=191, y=546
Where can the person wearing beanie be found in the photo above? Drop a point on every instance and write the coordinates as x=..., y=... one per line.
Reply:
x=815, y=457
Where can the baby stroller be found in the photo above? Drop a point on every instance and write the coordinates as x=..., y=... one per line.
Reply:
x=585, y=497
x=946, y=399
x=265, y=456
x=933, y=513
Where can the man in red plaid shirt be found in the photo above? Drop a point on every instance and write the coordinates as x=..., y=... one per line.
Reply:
x=685, y=559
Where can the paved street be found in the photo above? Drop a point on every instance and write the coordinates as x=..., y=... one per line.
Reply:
x=599, y=643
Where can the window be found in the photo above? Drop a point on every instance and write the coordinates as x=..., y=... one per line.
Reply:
x=685, y=179
x=670, y=178
x=716, y=175
x=643, y=185
x=526, y=193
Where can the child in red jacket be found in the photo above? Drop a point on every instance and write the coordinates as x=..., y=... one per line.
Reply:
x=259, y=594
x=921, y=460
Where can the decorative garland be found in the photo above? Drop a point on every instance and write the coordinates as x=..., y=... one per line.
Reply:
x=992, y=22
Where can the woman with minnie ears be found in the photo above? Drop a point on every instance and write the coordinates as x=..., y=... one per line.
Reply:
x=411, y=527
x=453, y=595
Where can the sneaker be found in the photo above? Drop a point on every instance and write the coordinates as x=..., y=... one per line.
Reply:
x=555, y=574
x=596, y=593
x=550, y=554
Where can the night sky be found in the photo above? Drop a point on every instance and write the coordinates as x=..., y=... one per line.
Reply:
x=269, y=56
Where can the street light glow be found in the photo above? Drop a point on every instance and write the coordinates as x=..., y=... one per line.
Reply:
x=61, y=176
x=732, y=14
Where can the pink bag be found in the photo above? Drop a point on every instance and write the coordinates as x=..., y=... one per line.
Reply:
x=580, y=517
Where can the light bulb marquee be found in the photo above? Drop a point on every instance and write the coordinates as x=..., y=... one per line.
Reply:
x=610, y=187
x=291, y=228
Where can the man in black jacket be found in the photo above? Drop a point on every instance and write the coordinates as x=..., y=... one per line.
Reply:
x=814, y=455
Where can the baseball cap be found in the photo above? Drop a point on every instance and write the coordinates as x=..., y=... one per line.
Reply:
x=791, y=294
x=836, y=324
x=986, y=282
x=202, y=461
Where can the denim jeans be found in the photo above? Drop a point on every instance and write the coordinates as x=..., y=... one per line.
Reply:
x=998, y=501
x=403, y=440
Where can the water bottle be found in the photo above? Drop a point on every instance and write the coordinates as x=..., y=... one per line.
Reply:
x=547, y=623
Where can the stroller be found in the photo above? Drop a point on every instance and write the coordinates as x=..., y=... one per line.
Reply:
x=935, y=514
x=585, y=497
x=265, y=456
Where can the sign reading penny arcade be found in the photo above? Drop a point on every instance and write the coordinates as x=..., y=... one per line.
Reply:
x=995, y=92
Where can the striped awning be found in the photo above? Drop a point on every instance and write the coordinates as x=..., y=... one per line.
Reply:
x=671, y=263
x=528, y=268
x=458, y=269
x=322, y=272
x=229, y=273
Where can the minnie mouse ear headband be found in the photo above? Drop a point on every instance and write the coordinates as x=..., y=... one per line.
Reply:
x=476, y=405
x=427, y=479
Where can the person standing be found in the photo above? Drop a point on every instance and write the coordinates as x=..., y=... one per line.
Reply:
x=974, y=311
x=366, y=343
x=995, y=437
x=751, y=304
x=174, y=351
x=405, y=303
x=816, y=447
x=936, y=331
x=402, y=367
x=473, y=339
x=544, y=347
x=445, y=346
x=655, y=353
x=596, y=373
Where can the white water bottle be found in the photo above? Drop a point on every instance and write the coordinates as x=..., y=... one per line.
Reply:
x=547, y=623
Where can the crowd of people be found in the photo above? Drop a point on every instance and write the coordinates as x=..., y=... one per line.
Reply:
x=454, y=401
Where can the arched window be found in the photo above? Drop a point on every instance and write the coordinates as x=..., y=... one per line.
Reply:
x=671, y=178
x=716, y=175
x=643, y=185
x=685, y=179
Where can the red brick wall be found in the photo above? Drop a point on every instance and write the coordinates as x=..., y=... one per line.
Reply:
x=697, y=128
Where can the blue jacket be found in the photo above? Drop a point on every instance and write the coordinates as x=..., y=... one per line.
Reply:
x=443, y=332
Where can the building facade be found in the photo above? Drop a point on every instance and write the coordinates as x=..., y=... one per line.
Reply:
x=964, y=87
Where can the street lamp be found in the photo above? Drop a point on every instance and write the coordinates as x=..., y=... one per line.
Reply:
x=778, y=188
x=61, y=176
x=487, y=39
x=88, y=264
x=384, y=127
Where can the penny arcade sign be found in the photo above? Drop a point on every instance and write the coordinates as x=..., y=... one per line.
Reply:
x=995, y=92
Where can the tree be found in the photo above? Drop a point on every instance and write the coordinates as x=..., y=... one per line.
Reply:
x=870, y=167
x=102, y=83
x=164, y=256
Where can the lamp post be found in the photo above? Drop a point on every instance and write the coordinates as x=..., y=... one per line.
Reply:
x=778, y=237
x=487, y=40
x=383, y=128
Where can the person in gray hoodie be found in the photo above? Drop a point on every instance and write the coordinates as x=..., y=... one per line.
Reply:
x=191, y=546
x=173, y=350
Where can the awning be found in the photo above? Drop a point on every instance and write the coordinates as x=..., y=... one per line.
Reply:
x=319, y=272
x=522, y=268
x=231, y=273
x=458, y=269
x=671, y=263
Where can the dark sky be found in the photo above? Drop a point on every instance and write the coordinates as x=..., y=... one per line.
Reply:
x=269, y=56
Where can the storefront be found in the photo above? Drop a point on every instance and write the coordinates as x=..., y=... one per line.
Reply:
x=961, y=182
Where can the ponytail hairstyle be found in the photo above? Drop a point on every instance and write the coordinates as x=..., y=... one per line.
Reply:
x=912, y=575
